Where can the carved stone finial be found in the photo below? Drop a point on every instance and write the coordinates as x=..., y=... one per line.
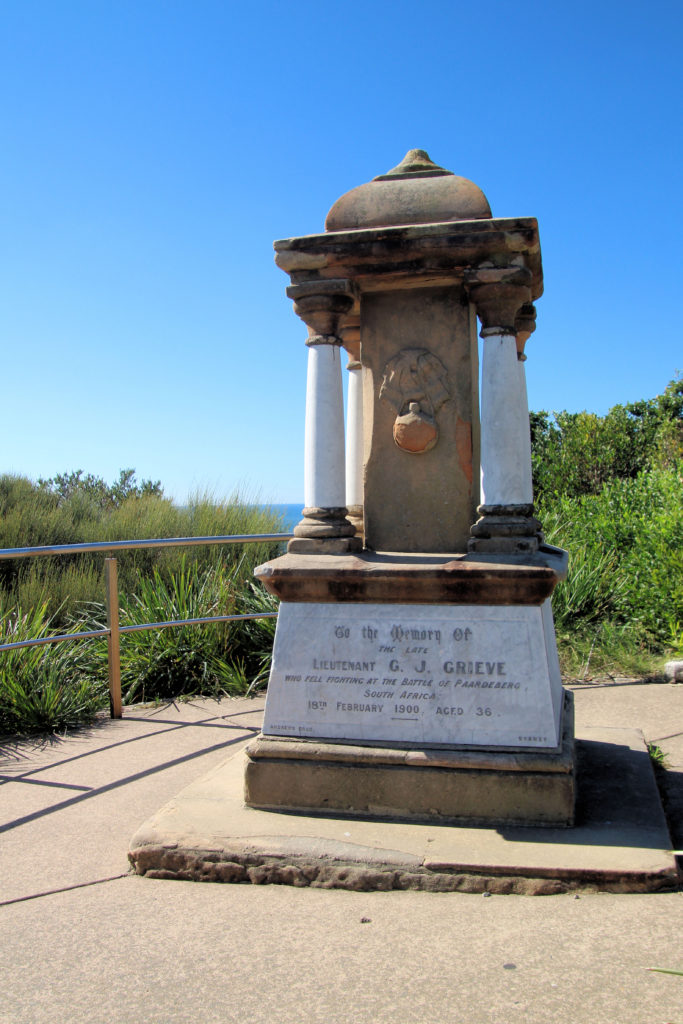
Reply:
x=415, y=164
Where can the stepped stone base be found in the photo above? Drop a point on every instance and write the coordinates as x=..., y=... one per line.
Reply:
x=432, y=784
x=619, y=842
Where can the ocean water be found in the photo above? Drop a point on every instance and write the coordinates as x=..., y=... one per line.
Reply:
x=291, y=515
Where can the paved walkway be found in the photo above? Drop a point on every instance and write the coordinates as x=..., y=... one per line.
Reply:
x=86, y=941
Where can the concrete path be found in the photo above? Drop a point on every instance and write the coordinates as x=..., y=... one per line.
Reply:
x=86, y=941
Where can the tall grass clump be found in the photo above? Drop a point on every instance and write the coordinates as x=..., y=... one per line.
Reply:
x=72, y=508
x=215, y=659
x=55, y=685
x=45, y=687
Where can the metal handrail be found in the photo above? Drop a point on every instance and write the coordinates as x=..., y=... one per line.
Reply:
x=92, y=634
x=130, y=545
x=114, y=630
x=86, y=634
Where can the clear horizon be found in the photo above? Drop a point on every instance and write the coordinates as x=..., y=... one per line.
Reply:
x=152, y=153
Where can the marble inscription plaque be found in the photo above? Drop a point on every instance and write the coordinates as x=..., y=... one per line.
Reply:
x=444, y=675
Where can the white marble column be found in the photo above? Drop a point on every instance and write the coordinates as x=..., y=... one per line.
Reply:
x=505, y=450
x=525, y=440
x=324, y=483
x=325, y=528
x=354, y=437
x=507, y=525
x=525, y=325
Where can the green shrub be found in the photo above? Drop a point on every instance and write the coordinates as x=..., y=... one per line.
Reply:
x=252, y=639
x=65, y=486
x=608, y=489
x=44, y=687
x=212, y=659
x=63, y=586
x=626, y=556
x=52, y=686
x=71, y=508
x=574, y=454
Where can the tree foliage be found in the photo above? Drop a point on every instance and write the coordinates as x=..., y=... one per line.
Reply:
x=575, y=454
x=67, y=486
x=609, y=489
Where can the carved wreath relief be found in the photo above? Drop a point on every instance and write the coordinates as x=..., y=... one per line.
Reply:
x=416, y=383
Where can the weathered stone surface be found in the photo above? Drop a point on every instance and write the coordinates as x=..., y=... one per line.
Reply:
x=506, y=530
x=525, y=325
x=414, y=784
x=324, y=545
x=498, y=296
x=442, y=675
x=321, y=306
x=381, y=577
x=416, y=431
x=674, y=671
x=530, y=761
x=192, y=866
x=420, y=794
x=421, y=255
x=433, y=496
x=321, y=523
x=417, y=191
x=619, y=842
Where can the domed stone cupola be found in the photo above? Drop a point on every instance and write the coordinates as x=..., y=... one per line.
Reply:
x=405, y=265
x=417, y=191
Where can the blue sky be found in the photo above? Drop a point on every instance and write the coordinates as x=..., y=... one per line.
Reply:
x=152, y=151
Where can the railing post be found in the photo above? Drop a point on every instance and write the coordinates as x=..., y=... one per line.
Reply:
x=113, y=653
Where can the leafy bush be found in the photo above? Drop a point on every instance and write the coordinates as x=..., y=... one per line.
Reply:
x=255, y=636
x=173, y=661
x=626, y=556
x=578, y=453
x=608, y=489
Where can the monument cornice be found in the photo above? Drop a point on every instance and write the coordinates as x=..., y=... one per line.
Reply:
x=420, y=579
x=418, y=255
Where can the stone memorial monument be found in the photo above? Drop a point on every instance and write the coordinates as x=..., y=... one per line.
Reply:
x=415, y=672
